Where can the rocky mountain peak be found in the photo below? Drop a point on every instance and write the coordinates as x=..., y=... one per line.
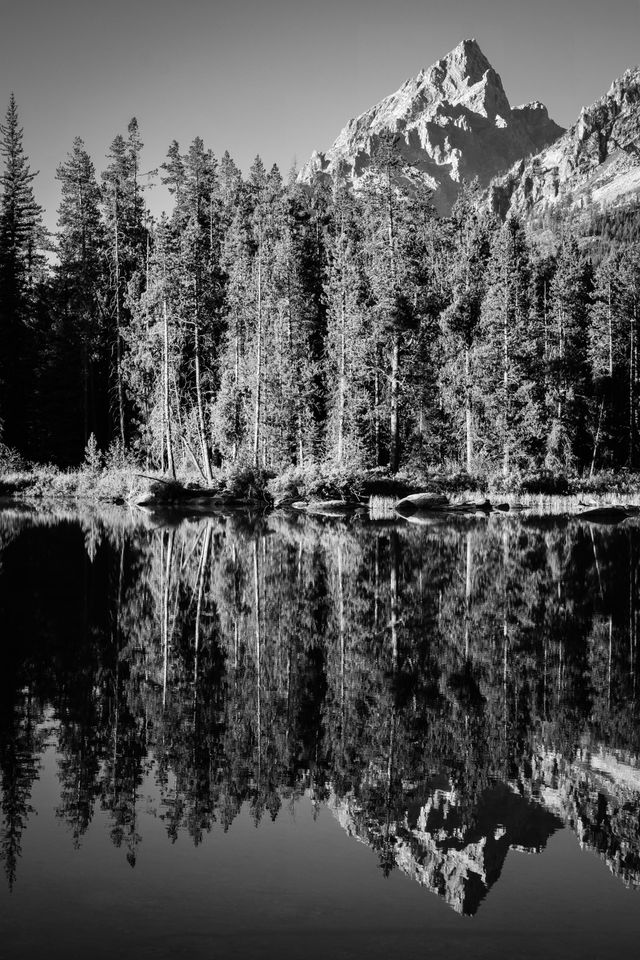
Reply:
x=465, y=65
x=452, y=122
x=466, y=76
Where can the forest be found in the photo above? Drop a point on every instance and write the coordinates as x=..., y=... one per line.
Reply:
x=270, y=325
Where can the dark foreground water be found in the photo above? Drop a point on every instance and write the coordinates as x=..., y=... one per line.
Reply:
x=261, y=737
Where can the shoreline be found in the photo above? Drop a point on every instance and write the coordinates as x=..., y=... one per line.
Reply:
x=322, y=489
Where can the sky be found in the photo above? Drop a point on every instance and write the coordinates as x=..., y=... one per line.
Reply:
x=278, y=78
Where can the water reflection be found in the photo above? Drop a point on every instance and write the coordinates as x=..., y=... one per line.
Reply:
x=450, y=693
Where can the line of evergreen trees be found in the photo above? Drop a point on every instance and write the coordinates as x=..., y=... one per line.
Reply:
x=277, y=324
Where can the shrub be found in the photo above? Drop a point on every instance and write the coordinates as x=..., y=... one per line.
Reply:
x=93, y=458
x=116, y=457
x=10, y=459
x=245, y=481
x=544, y=482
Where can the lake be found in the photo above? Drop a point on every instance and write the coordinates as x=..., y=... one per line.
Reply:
x=283, y=736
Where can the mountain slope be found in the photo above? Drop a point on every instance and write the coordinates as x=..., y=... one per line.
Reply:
x=596, y=162
x=452, y=122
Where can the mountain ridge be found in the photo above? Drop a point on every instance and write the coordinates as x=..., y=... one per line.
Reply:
x=596, y=161
x=452, y=122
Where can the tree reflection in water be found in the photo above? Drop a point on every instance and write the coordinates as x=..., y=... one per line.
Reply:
x=450, y=693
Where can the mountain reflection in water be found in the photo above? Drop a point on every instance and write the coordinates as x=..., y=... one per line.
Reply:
x=449, y=693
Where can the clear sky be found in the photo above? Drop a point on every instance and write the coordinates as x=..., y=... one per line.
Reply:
x=278, y=77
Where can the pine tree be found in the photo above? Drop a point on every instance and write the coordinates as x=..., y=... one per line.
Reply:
x=265, y=193
x=293, y=381
x=21, y=264
x=388, y=270
x=506, y=352
x=346, y=349
x=196, y=228
x=568, y=378
x=125, y=230
x=469, y=251
x=231, y=415
x=78, y=291
x=613, y=357
x=152, y=341
x=422, y=340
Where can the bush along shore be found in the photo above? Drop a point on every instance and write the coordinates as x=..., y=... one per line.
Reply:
x=318, y=488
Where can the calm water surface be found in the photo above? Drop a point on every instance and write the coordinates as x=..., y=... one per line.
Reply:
x=252, y=737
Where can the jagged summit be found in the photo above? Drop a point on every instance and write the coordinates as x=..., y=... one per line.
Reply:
x=466, y=76
x=453, y=121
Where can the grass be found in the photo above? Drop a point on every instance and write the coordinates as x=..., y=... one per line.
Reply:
x=47, y=482
x=315, y=482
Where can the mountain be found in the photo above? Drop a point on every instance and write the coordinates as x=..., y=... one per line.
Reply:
x=459, y=852
x=452, y=122
x=457, y=855
x=595, y=163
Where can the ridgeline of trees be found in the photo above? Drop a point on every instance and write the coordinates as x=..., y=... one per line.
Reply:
x=272, y=324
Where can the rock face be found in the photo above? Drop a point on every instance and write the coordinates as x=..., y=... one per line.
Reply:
x=455, y=856
x=459, y=852
x=597, y=794
x=597, y=161
x=452, y=122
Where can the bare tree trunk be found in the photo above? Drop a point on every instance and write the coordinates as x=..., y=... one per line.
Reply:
x=236, y=379
x=165, y=615
x=85, y=389
x=632, y=614
x=167, y=407
x=256, y=587
x=258, y=386
x=202, y=569
x=341, y=630
x=545, y=325
x=300, y=441
x=394, y=440
x=596, y=439
x=341, y=378
x=505, y=388
x=204, y=446
x=376, y=410
x=394, y=429
x=393, y=589
x=467, y=409
x=376, y=585
x=632, y=378
x=85, y=324
x=609, y=661
x=467, y=595
x=118, y=329
x=610, y=319
x=562, y=385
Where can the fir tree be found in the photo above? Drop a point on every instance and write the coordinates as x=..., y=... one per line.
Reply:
x=468, y=252
x=78, y=294
x=21, y=268
x=388, y=270
x=506, y=352
x=347, y=334
x=125, y=231
x=568, y=378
